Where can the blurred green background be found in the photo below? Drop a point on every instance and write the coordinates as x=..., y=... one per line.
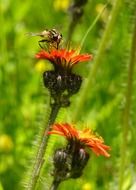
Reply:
x=24, y=101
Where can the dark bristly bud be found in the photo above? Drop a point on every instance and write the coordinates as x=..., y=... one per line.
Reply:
x=49, y=79
x=61, y=86
x=60, y=158
x=74, y=83
x=54, y=82
x=80, y=159
x=69, y=163
x=61, y=165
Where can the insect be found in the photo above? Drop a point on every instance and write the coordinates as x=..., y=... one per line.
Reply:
x=49, y=38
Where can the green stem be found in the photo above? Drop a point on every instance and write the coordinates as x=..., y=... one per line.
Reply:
x=127, y=109
x=98, y=58
x=92, y=25
x=39, y=160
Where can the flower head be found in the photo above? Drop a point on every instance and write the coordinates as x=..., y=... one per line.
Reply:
x=61, y=58
x=61, y=82
x=85, y=138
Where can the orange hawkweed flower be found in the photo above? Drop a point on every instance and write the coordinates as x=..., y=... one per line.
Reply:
x=85, y=138
x=61, y=82
x=63, y=58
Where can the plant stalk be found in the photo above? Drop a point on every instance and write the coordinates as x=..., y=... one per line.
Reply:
x=92, y=25
x=55, y=185
x=76, y=11
x=127, y=109
x=97, y=62
x=39, y=160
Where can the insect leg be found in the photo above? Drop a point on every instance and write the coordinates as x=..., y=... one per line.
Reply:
x=42, y=43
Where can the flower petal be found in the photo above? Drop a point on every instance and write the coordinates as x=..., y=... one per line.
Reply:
x=64, y=130
x=85, y=137
x=66, y=59
x=81, y=58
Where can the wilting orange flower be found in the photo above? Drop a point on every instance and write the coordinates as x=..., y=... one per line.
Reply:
x=84, y=138
x=62, y=57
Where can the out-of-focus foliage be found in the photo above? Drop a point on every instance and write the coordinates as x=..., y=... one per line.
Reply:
x=24, y=101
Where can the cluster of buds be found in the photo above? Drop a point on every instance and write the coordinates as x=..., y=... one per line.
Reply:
x=70, y=161
x=61, y=82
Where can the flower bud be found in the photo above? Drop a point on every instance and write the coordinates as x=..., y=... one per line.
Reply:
x=54, y=82
x=80, y=159
x=60, y=158
x=61, y=165
x=73, y=83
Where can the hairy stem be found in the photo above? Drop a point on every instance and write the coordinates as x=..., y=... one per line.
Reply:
x=97, y=61
x=39, y=160
x=55, y=185
x=127, y=109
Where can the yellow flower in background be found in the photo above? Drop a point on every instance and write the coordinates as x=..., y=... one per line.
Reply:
x=87, y=186
x=41, y=66
x=6, y=143
x=61, y=5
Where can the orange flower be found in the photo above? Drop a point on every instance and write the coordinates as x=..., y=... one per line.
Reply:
x=83, y=138
x=63, y=58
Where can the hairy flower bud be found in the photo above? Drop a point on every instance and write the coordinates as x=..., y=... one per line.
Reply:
x=61, y=165
x=60, y=158
x=73, y=83
x=80, y=159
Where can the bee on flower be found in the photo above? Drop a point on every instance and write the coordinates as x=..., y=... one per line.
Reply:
x=50, y=39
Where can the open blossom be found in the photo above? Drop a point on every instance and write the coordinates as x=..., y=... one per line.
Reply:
x=84, y=138
x=62, y=58
x=62, y=82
